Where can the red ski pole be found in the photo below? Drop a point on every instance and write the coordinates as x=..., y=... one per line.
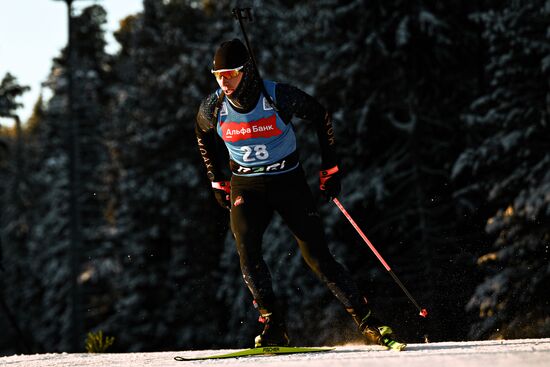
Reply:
x=423, y=311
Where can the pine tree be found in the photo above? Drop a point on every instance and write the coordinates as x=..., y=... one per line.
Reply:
x=92, y=90
x=13, y=203
x=165, y=219
x=10, y=90
x=507, y=165
x=41, y=277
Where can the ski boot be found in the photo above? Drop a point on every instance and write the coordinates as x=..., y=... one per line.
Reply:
x=377, y=333
x=274, y=332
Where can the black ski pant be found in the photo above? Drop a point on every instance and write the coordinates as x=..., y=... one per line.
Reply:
x=253, y=202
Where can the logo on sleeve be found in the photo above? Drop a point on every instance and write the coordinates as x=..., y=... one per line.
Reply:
x=262, y=128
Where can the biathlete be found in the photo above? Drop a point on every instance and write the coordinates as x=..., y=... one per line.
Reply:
x=253, y=118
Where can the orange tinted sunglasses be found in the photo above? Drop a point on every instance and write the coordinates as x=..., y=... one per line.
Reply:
x=227, y=73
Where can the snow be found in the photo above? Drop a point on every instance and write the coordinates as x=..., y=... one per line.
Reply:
x=497, y=353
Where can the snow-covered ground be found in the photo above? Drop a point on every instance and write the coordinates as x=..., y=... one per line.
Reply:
x=501, y=353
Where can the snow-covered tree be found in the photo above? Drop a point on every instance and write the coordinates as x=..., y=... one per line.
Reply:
x=40, y=277
x=13, y=208
x=167, y=231
x=507, y=165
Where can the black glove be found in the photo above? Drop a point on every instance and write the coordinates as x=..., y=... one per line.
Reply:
x=330, y=182
x=222, y=192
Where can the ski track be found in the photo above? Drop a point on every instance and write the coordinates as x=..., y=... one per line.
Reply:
x=497, y=353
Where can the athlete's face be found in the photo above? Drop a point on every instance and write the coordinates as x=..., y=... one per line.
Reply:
x=229, y=84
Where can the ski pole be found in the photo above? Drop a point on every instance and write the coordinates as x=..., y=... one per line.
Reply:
x=423, y=311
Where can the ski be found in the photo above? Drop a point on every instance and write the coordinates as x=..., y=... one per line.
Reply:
x=261, y=351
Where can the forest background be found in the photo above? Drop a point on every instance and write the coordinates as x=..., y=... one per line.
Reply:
x=441, y=111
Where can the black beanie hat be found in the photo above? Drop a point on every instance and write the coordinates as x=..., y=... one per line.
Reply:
x=230, y=55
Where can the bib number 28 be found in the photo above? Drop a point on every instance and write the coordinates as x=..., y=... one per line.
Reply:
x=252, y=153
